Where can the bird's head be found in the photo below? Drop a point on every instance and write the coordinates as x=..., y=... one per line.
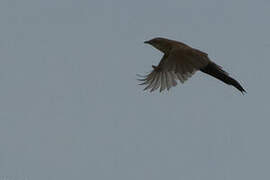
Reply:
x=161, y=44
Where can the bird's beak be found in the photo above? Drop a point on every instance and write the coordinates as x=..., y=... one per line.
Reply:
x=146, y=42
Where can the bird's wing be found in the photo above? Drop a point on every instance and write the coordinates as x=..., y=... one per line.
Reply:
x=180, y=64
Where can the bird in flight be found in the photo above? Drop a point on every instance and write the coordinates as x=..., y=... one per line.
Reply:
x=179, y=63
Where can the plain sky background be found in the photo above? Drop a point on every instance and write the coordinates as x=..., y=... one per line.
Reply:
x=71, y=107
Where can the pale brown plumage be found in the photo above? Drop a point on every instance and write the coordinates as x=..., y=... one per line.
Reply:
x=180, y=62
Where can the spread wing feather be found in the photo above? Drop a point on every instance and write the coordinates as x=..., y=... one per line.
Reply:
x=179, y=65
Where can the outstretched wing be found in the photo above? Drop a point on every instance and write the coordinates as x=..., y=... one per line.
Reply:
x=179, y=65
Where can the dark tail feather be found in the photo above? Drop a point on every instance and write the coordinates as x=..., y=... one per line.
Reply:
x=216, y=71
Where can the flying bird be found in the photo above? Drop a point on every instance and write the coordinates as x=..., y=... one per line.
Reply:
x=179, y=63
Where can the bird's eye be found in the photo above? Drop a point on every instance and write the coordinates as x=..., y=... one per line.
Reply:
x=155, y=41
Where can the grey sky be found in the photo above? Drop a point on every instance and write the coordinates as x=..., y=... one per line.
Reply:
x=70, y=106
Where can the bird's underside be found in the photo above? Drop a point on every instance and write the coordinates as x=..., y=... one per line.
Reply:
x=178, y=64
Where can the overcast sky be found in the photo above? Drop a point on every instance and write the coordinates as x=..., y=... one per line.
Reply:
x=71, y=107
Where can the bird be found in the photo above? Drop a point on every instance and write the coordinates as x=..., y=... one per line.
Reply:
x=179, y=63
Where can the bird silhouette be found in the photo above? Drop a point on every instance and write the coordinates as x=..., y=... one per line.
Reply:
x=179, y=63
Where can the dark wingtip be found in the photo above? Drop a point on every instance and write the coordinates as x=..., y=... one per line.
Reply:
x=243, y=91
x=238, y=86
x=216, y=71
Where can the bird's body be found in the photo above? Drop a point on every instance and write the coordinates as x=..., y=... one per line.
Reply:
x=180, y=62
